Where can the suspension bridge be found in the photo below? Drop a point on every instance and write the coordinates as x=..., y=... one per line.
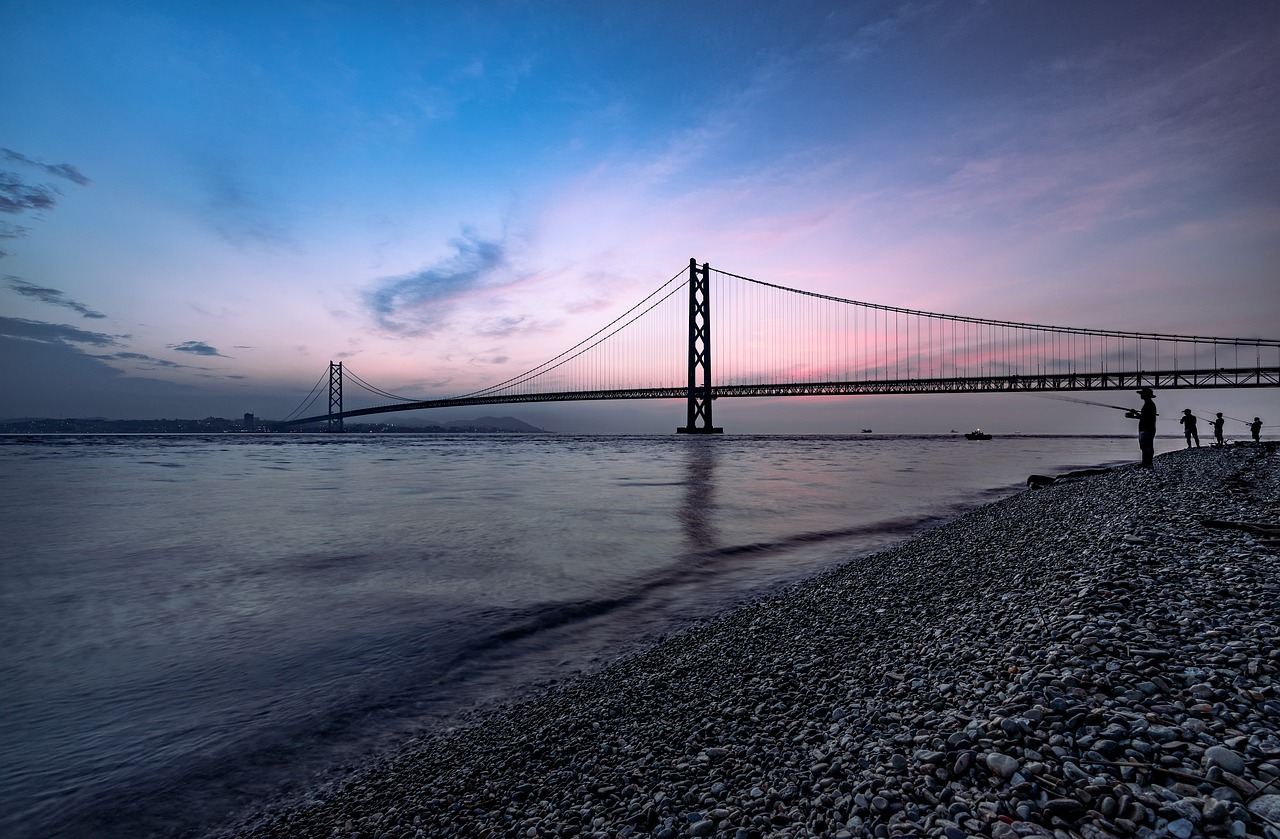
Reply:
x=771, y=340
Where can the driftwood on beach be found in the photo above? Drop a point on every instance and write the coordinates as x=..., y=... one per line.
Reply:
x=1083, y=661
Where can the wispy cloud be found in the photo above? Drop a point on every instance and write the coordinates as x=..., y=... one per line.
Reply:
x=144, y=359
x=871, y=38
x=1101, y=143
x=420, y=303
x=61, y=170
x=17, y=196
x=53, y=333
x=9, y=230
x=196, y=348
x=587, y=305
x=52, y=296
x=234, y=207
x=501, y=327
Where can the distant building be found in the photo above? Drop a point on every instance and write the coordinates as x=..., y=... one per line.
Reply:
x=248, y=422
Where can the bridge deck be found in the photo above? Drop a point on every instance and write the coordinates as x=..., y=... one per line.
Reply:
x=1037, y=383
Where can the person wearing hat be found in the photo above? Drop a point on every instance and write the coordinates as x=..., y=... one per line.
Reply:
x=1146, y=418
x=1255, y=428
x=1217, y=429
x=1189, y=427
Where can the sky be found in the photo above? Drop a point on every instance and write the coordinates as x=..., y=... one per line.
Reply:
x=203, y=204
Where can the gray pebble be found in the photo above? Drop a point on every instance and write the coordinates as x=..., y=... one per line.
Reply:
x=1266, y=806
x=1228, y=759
x=1001, y=765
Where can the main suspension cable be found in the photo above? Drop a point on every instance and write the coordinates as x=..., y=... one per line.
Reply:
x=560, y=359
x=1258, y=342
x=308, y=399
x=377, y=391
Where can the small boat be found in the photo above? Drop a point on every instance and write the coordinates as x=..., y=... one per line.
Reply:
x=977, y=434
x=866, y=431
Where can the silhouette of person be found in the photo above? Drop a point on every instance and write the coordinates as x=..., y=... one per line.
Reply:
x=1146, y=418
x=1217, y=428
x=1188, y=421
x=1255, y=428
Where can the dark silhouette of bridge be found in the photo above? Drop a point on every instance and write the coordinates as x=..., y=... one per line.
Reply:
x=771, y=340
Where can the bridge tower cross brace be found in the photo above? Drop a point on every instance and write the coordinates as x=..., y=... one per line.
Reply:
x=698, y=420
x=335, y=397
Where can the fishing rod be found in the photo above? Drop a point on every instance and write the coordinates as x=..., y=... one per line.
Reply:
x=1082, y=401
x=1130, y=412
x=1234, y=419
x=1249, y=422
x=1237, y=419
x=1119, y=408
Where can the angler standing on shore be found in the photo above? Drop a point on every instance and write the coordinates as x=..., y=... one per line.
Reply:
x=1189, y=427
x=1146, y=418
x=1255, y=428
x=1217, y=429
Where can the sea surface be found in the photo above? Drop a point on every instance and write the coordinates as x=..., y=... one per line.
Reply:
x=190, y=625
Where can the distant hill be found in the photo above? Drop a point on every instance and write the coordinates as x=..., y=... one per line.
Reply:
x=480, y=425
x=500, y=423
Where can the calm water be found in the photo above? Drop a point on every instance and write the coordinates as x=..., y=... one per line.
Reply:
x=190, y=624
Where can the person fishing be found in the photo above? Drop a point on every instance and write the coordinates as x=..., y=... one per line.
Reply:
x=1217, y=429
x=1188, y=421
x=1255, y=428
x=1146, y=417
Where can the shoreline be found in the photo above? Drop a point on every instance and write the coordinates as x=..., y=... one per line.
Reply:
x=1084, y=657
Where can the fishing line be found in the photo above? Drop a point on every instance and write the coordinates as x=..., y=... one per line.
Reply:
x=1082, y=401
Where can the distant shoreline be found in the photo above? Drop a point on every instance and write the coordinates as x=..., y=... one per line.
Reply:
x=218, y=425
x=21, y=429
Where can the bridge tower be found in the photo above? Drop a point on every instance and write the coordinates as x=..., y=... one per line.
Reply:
x=335, y=397
x=700, y=397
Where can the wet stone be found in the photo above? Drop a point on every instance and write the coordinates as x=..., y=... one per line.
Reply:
x=1001, y=765
x=1064, y=808
x=1266, y=806
x=1228, y=759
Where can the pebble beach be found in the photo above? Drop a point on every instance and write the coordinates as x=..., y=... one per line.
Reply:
x=1099, y=656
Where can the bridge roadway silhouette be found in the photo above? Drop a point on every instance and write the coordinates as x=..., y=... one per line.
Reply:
x=782, y=341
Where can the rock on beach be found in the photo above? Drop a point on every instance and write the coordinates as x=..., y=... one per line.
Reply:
x=1081, y=661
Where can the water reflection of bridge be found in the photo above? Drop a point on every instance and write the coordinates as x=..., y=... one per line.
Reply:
x=771, y=340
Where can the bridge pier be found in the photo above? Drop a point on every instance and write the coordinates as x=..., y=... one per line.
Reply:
x=698, y=420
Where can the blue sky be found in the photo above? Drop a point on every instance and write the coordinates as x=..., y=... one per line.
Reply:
x=202, y=204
